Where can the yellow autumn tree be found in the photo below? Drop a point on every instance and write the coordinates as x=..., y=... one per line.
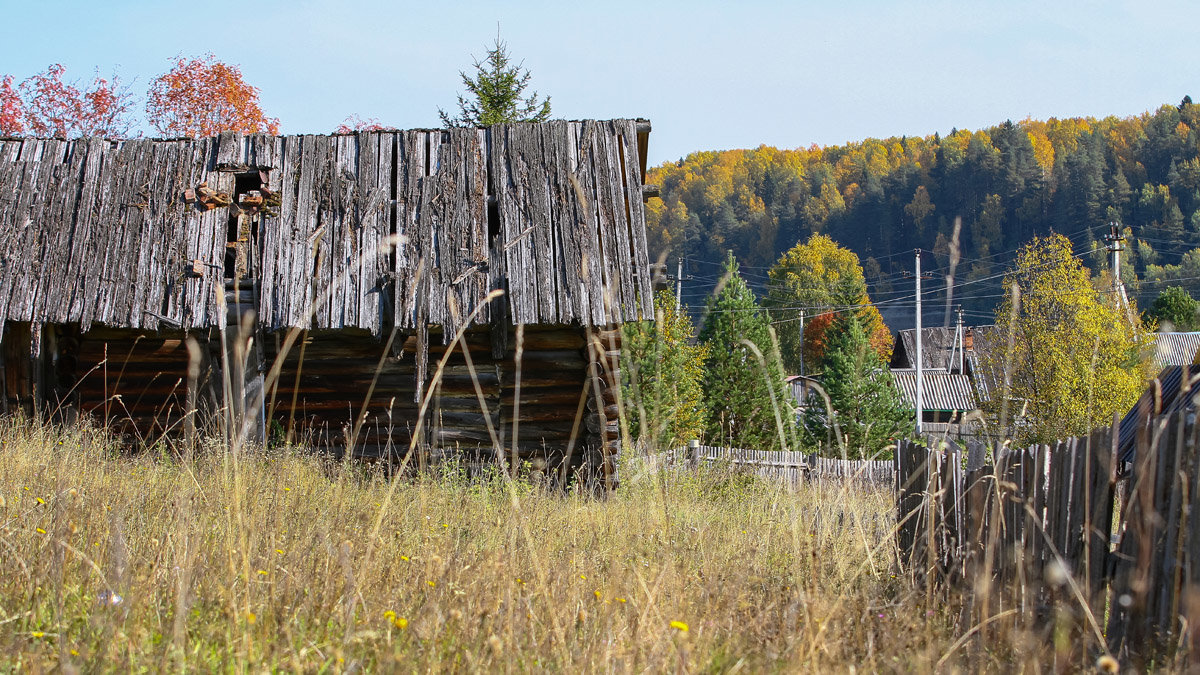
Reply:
x=816, y=277
x=1076, y=358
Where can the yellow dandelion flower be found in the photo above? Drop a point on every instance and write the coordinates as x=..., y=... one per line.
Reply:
x=621, y=600
x=251, y=618
x=287, y=489
x=400, y=622
x=431, y=583
x=679, y=626
x=583, y=576
x=279, y=551
x=596, y=593
x=74, y=653
x=445, y=525
x=404, y=558
x=520, y=581
x=41, y=531
x=389, y=615
x=38, y=634
x=41, y=501
x=262, y=573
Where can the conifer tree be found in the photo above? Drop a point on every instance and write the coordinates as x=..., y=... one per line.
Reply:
x=867, y=408
x=496, y=93
x=663, y=373
x=747, y=400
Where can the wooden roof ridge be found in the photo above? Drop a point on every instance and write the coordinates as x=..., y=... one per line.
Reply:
x=372, y=230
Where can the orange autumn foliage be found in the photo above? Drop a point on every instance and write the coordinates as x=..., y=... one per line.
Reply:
x=815, y=339
x=817, y=335
x=202, y=97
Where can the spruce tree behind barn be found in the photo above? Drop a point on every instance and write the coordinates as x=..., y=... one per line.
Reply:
x=312, y=274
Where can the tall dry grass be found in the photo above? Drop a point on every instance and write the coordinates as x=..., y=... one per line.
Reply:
x=282, y=560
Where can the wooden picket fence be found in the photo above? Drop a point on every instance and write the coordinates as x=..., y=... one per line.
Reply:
x=1041, y=533
x=792, y=467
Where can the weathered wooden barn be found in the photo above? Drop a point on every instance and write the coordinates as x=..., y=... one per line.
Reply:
x=312, y=287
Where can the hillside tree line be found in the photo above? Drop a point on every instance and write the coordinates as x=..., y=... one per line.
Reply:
x=1004, y=185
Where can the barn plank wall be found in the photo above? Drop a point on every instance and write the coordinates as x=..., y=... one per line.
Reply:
x=363, y=235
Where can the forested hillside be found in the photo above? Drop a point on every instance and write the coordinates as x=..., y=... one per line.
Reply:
x=884, y=197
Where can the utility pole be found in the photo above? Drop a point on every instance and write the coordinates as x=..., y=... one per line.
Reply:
x=679, y=284
x=959, y=340
x=1114, y=243
x=678, y=279
x=920, y=387
x=920, y=403
x=802, y=342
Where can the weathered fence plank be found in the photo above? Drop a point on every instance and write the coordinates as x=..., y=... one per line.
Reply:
x=792, y=467
x=1035, y=532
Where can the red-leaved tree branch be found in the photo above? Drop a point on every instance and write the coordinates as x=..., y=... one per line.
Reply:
x=202, y=97
x=45, y=105
x=197, y=97
x=355, y=123
x=12, y=111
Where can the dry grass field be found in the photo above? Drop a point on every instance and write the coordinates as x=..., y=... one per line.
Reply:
x=283, y=561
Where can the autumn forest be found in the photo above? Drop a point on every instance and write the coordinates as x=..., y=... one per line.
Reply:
x=988, y=191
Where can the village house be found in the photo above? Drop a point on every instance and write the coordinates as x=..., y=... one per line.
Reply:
x=452, y=290
x=956, y=376
x=1174, y=389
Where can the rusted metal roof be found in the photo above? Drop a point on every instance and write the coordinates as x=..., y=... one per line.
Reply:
x=942, y=390
x=373, y=230
x=1176, y=349
x=1175, y=388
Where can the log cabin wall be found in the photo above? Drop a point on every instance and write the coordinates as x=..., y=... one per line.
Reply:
x=135, y=382
x=472, y=407
x=18, y=364
x=351, y=239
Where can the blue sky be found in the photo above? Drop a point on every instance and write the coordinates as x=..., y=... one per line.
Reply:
x=709, y=75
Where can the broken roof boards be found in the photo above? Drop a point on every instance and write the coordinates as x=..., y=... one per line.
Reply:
x=374, y=231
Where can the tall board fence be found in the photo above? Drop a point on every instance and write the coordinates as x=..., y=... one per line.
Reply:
x=1041, y=535
x=793, y=467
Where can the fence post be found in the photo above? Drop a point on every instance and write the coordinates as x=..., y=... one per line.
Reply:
x=694, y=453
